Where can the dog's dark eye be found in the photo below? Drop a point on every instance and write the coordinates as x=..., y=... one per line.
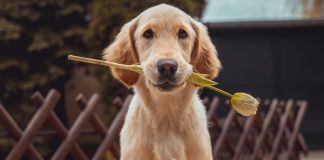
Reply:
x=148, y=34
x=182, y=34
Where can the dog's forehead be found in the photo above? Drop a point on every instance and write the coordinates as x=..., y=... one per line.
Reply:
x=163, y=14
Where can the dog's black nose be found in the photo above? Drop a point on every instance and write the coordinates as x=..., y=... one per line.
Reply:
x=167, y=67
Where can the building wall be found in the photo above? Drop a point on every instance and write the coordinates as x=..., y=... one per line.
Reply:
x=276, y=59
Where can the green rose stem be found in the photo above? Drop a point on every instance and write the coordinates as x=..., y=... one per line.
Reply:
x=243, y=103
x=220, y=91
x=135, y=68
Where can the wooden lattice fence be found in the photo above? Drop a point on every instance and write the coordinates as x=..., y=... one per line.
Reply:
x=274, y=133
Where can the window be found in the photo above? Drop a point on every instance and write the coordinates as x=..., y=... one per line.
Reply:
x=262, y=10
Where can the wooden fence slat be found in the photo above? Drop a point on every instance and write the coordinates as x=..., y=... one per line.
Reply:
x=59, y=127
x=265, y=126
x=302, y=144
x=243, y=138
x=14, y=131
x=296, y=127
x=211, y=115
x=222, y=136
x=50, y=133
x=282, y=126
x=213, y=108
x=34, y=125
x=113, y=131
x=74, y=132
x=97, y=123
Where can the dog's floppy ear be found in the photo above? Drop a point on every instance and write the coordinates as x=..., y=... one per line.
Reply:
x=123, y=51
x=204, y=55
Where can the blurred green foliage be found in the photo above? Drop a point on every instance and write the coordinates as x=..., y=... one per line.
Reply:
x=37, y=35
x=109, y=16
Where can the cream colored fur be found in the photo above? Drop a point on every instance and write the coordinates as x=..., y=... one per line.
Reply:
x=163, y=125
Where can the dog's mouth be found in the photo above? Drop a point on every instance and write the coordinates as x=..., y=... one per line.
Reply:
x=167, y=85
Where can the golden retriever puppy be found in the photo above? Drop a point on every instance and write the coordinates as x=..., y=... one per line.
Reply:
x=166, y=119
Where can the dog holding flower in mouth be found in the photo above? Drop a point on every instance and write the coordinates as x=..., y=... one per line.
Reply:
x=166, y=119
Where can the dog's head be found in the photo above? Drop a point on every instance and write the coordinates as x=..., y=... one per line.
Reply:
x=168, y=44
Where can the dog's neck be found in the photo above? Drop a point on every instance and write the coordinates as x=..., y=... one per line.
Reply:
x=162, y=107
